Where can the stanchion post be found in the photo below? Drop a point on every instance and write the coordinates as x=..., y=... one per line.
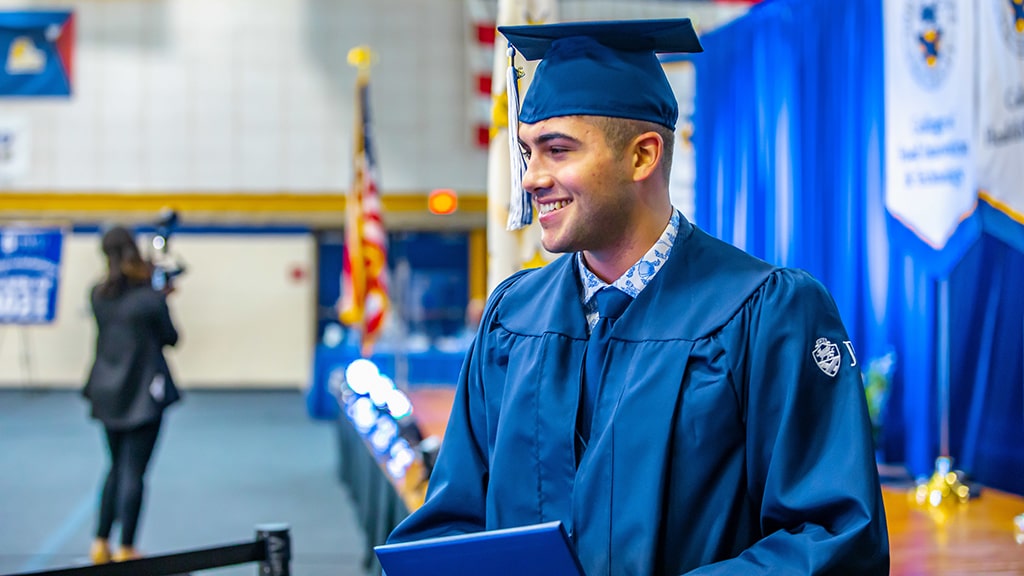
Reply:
x=278, y=543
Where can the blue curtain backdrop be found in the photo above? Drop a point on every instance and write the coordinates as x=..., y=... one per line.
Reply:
x=789, y=138
x=986, y=366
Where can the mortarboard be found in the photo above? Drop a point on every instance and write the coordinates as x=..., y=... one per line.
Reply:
x=607, y=68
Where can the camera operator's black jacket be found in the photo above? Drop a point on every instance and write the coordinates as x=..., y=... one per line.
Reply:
x=130, y=383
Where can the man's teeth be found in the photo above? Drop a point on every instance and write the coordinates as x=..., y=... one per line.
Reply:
x=552, y=206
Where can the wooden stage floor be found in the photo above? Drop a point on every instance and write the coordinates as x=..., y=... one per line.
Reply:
x=973, y=539
x=970, y=539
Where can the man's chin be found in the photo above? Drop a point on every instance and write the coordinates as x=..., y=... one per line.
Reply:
x=553, y=246
x=548, y=243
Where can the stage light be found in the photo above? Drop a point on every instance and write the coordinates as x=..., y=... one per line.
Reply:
x=398, y=404
x=401, y=456
x=334, y=335
x=360, y=375
x=379, y=389
x=336, y=382
x=363, y=414
x=383, y=434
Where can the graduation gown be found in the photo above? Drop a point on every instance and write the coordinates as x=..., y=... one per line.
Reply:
x=730, y=435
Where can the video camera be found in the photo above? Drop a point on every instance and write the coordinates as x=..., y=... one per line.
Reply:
x=165, y=266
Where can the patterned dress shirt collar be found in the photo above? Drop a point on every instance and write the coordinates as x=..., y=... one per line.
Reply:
x=633, y=280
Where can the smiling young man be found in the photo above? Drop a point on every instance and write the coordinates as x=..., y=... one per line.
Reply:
x=680, y=406
x=603, y=198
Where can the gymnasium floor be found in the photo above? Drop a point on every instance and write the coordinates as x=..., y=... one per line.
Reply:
x=225, y=462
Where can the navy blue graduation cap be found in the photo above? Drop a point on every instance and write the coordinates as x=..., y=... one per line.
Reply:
x=607, y=68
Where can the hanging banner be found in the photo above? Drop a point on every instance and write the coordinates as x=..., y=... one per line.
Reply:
x=999, y=142
x=929, y=97
x=29, y=274
x=36, y=49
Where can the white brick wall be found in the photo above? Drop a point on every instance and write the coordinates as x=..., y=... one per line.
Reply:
x=256, y=95
x=252, y=95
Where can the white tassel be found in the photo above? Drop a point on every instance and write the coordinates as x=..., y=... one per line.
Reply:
x=520, y=209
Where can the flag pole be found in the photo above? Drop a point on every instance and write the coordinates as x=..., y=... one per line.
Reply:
x=944, y=486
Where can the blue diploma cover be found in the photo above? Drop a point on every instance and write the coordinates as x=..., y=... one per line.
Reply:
x=538, y=550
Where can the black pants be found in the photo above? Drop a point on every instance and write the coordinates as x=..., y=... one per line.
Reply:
x=130, y=451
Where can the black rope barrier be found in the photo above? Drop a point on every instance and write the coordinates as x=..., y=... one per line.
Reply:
x=272, y=549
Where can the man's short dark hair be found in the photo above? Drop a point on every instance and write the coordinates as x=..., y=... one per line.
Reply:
x=618, y=132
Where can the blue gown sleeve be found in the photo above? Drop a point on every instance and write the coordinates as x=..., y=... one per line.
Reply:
x=810, y=458
x=455, y=502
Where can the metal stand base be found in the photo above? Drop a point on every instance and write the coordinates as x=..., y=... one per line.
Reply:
x=944, y=487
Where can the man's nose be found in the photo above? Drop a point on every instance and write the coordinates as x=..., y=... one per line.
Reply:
x=535, y=177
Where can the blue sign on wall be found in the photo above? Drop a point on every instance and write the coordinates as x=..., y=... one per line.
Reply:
x=29, y=274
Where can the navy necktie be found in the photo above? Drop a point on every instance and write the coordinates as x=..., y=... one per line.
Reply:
x=611, y=302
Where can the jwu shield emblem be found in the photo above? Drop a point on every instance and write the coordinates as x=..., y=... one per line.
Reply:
x=826, y=356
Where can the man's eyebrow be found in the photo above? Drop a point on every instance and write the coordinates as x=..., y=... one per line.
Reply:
x=549, y=136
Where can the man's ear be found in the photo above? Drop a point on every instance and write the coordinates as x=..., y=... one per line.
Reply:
x=647, y=150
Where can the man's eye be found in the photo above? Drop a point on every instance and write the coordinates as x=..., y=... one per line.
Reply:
x=526, y=153
x=557, y=150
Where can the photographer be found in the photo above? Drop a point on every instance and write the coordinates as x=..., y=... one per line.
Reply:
x=129, y=385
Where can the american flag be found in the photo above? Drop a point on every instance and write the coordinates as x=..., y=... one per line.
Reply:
x=481, y=52
x=364, y=287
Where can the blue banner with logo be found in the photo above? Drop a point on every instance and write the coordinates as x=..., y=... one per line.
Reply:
x=36, y=52
x=29, y=274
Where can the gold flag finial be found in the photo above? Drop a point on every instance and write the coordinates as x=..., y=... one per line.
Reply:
x=361, y=57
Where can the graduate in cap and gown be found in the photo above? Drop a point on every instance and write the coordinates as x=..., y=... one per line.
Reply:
x=679, y=405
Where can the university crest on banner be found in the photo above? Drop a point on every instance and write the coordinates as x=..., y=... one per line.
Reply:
x=36, y=52
x=929, y=96
x=999, y=138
